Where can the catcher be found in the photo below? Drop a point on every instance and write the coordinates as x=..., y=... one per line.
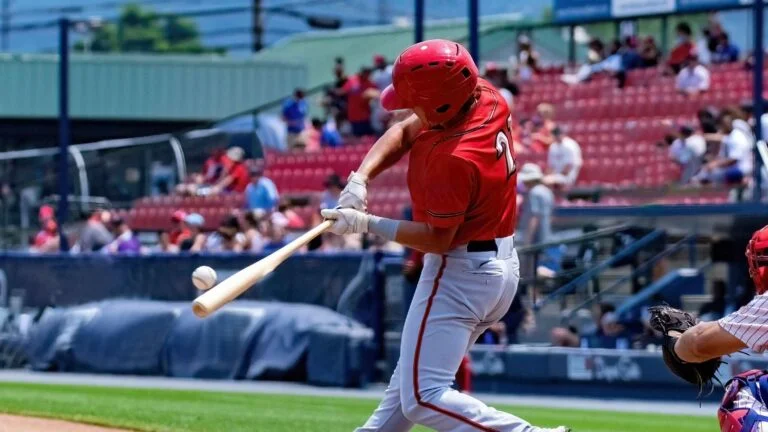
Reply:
x=692, y=350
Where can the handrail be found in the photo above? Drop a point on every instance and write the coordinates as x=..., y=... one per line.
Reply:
x=653, y=260
x=591, y=273
x=584, y=237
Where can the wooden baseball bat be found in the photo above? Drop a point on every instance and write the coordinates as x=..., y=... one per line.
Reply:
x=231, y=287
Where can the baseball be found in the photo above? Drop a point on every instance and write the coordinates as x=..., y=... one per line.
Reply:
x=204, y=278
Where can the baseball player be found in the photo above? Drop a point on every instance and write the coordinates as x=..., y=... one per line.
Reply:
x=462, y=183
x=692, y=349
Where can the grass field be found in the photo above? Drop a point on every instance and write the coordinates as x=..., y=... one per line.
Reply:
x=176, y=410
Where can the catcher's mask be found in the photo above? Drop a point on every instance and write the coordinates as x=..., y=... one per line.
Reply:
x=744, y=416
x=757, y=258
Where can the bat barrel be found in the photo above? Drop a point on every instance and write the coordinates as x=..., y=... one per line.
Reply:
x=228, y=290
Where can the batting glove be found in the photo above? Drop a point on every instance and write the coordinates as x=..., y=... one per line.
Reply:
x=346, y=221
x=355, y=194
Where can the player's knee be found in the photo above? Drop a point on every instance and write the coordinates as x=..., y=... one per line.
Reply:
x=414, y=406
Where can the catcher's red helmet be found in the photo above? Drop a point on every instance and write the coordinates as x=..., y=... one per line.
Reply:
x=438, y=76
x=757, y=258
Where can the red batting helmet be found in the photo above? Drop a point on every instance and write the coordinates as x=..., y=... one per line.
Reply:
x=437, y=76
x=757, y=258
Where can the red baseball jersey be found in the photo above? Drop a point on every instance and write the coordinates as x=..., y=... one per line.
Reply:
x=465, y=175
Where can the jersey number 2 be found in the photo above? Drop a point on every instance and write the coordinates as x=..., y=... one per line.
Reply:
x=502, y=149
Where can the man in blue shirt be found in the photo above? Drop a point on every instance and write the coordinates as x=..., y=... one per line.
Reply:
x=261, y=193
x=294, y=114
x=726, y=52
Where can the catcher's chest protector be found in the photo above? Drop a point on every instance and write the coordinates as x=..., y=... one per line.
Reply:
x=744, y=407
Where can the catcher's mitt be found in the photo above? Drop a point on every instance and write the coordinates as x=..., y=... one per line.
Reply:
x=668, y=320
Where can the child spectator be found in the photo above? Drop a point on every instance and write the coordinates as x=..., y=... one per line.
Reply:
x=693, y=78
x=194, y=240
x=261, y=193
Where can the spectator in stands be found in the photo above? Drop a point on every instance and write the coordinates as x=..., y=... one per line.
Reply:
x=498, y=78
x=261, y=193
x=688, y=151
x=707, y=121
x=213, y=167
x=275, y=234
x=535, y=222
x=595, y=51
x=650, y=53
x=254, y=237
x=171, y=239
x=295, y=111
x=227, y=237
x=360, y=91
x=705, y=47
x=572, y=337
x=622, y=57
x=541, y=127
x=237, y=177
x=195, y=239
x=563, y=160
x=47, y=240
x=684, y=49
x=289, y=218
x=715, y=309
x=95, y=235
x=382, y=72
x=326, y=134
x=125, y=240
x=693, y=78
x=333, y=187
x=527, y=58
x=725, y=51
x=734, y=163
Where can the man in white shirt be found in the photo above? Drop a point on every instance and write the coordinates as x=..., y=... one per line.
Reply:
x=688, y=151
x=693, y=78
x=735, y=161
x=563, y=160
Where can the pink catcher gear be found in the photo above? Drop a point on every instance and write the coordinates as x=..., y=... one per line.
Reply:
x=757, y=258
x=743, y=408
x=438, y=76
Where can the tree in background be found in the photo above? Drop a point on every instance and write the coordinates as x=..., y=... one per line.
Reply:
x=142, y=30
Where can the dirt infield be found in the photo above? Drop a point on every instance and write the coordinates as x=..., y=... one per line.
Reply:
x=10, y=423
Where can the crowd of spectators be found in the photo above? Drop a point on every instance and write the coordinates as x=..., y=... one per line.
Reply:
x=718, y=150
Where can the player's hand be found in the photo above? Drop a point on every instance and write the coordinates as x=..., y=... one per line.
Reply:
x=346, y=221
x=355, y=194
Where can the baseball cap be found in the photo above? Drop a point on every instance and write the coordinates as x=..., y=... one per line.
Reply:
x=379, y=60
x=235, y=154
x=178, y=216
x=194, y=219
x=529, y=172
x=46, y=212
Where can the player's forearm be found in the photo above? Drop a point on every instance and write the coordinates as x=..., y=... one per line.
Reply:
x=387, y=151
x=706, y=341
x=415, y=235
